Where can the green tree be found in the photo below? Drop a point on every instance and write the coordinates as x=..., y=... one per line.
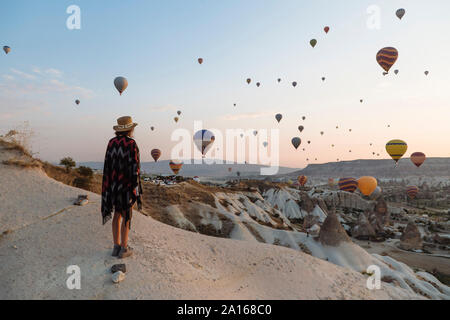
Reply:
x=67, y=162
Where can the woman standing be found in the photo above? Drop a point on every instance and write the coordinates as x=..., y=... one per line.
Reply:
x=121, y=187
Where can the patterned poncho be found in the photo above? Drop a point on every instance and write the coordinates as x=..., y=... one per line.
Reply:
x=121, y=187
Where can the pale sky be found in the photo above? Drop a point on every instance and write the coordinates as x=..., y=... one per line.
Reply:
x=155, y=45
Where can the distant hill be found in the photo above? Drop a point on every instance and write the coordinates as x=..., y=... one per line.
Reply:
x=433, y=167
x=202, y=170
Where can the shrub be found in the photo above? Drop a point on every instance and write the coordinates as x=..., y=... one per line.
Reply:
x=68, y=163
x=85, y=172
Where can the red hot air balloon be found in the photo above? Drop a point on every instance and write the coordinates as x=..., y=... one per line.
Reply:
x=348, y=184
x=302, y=180
x=386, y=58
x=418, y=158
x=156, y=153
x=412, y=191
x=326, y=29
x=200, y=60
x=175, y=166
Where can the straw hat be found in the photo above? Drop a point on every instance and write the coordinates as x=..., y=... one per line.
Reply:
x=124, y=124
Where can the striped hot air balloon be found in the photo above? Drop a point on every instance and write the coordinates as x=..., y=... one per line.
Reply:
x=302, y=180
x=396, y=149
x=386, y=58
x=156, y=153
x=418, y=158
x=412, y=191
x=175, y=166
x=348, y=184
x=331, y=182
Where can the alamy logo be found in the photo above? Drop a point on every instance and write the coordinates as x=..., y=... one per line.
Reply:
x=74, y=280
x=374, y=280
x=374, y=19
x=74, y=20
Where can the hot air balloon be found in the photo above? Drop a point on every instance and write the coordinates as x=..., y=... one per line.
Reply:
x=242, y=135
x=309, y=142
x=426, y=72
x=396, y=149
x=296, y=142
x=156, y=153
x=265, y=144
x=386, y=58
x=337, y=127
x=367, y=185
x=152, y=128
x=361, y=100
x=303, y=118
x=376, y=193
x=326, y=29
x=418, y=158
x=77, y=101
x=321, y=133
x=348, y=184
x=204, y=139
x=258, y=84
x=278, y=116
x=178, y=112
x=396, y=71
x=176, y=119
x=400, y=13
x=7, y=49
x=301, y=128
x=412, y=191
x=121, y=84
x=313, y=42
x=255, y=133
x=229, y=169
x=279, y=80
x=234, y=104
x=323, y=78
x=302, y=180
x=200, y=60
x=332, y=145
x=350, y=130
x=294, y=84
x=249, y=80
x=175, y=166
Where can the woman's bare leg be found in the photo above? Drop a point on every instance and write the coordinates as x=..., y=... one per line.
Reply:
x=116, y=227
x=124, y=233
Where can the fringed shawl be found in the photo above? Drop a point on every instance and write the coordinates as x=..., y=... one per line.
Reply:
x=121, y=187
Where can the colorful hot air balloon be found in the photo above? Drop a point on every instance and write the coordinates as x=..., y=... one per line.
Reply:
x=7, y=49
x=296, y=142
x=278, y=116
x=396, y=149
x=121, y=84
x=326, y=29
x=367, y=185
x=249, y=80
x=176, y=119
x=175, y=166
x=400, y=13
x=77, y=101
x=302, y=180
x=412, y=191
x=204, y=140
x=386, y=58
x=294, y=84
x=301, y=128
x=200, y=60
x=348, y=184
x=156, y=153
x=418, y=158
x=313, y=42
